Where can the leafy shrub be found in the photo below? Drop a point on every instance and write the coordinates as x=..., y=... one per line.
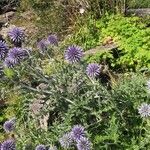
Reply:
x=133, y=39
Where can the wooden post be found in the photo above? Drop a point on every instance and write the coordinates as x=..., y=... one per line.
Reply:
x=125, y=7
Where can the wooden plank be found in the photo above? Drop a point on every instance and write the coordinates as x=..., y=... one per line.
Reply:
x=139, y=12
x=97, y=49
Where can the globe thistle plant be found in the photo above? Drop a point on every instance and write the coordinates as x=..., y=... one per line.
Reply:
x=8, y=145
x=9, y=125
x=73, y=54
x=40, y=147
x=93, y=70
x=144, y=110
x=77, y=132
x=52, y=39
x=83, y=144
x=17, y=36
x=66, y=140
x=3, y=50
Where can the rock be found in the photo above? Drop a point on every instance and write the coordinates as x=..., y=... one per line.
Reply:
x=10, y=15
x=139, y=12
x=5, y=30
x=102, y=48
x=7, y=17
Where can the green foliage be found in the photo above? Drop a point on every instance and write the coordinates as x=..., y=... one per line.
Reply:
x=129, y=33
x=86, y=34
x=133, y=39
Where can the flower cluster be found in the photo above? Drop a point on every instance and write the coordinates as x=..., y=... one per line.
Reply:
x=3, y=50
x=53, y=40
x=17, y=36
x=43, y=147
x=9, y=125
x=43, y=44
x=8, y=145
x=66, y=140
x=40, y=147
x=73, y=54
x=144, y=110
x=76, y=136
x=13, y=56
x=93, y=70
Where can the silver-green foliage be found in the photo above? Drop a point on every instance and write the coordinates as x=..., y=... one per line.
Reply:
x=68, y=97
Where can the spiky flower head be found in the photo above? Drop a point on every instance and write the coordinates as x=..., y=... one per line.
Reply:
x=3, y=50
x=9, y=62
x=83, y=144
x=73, y=54
x=42, y=45
x=66, y=140
x=53, y=148
x=16, y=35
x=17, y=54
x=93, y=70
x=52, y=39
x=77, y=132
x=9, y=125
x=144, y=110
x=40, y=147
x=8, y=145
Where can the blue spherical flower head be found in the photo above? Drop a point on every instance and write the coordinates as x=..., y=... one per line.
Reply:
x=93, y=70
x=77, y=132
x=17, y=54
x=66, y=140
x=73, y=54
x=17, y=36
x=52, y=39
x=40, y=147
x=3, y=50
x=9, y=125
x=9, y=62
x=144, y=110
x=83, y=144
x=8, y=145
x=42, y=45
